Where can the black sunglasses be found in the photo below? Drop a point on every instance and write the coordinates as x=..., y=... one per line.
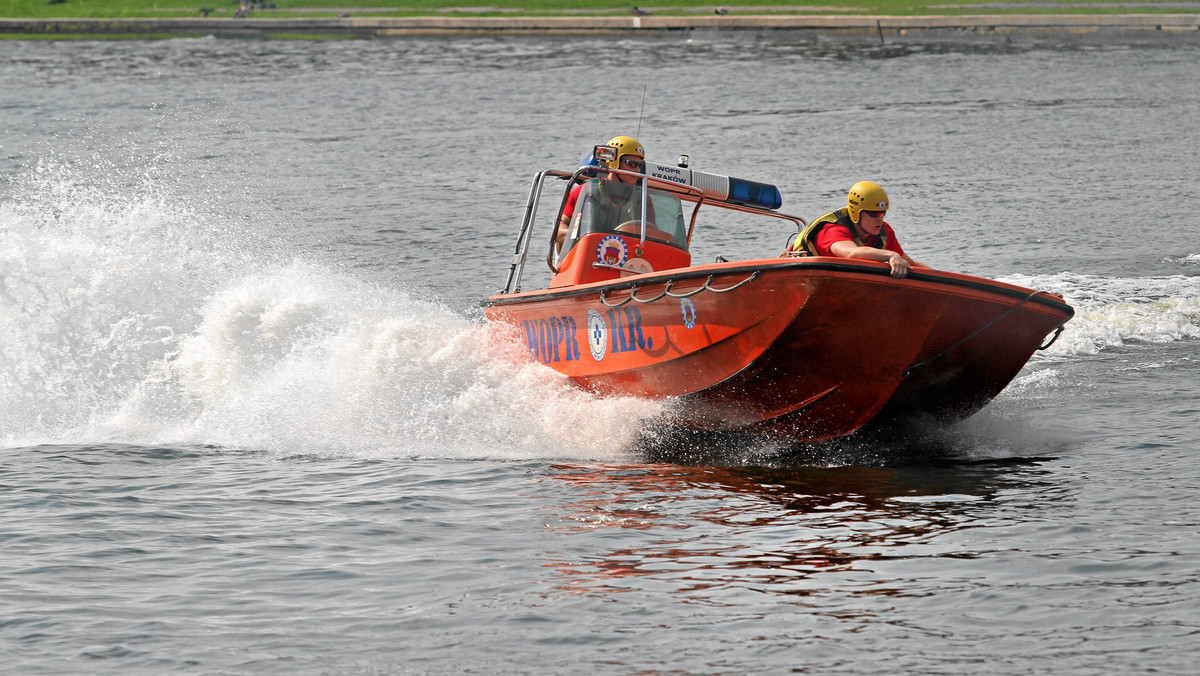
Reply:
x=874, y=214
x=633, y=164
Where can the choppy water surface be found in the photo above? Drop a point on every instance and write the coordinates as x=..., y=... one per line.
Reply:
x=252, y=421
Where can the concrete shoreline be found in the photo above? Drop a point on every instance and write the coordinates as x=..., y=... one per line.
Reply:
x=385, y=27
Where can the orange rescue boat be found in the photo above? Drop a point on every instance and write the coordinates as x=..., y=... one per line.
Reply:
x=772, y=345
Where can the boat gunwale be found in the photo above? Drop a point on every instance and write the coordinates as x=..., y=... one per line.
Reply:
x=828, y=265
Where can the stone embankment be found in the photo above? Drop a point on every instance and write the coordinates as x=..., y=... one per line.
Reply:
x=384, y=27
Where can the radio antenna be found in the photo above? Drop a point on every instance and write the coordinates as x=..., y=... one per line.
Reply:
x=639, y=127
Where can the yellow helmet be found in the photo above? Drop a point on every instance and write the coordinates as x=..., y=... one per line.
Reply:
x=625, y=145
x=866, y=196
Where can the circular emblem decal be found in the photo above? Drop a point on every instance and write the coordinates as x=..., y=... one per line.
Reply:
x=612, y=250
x=688, y=308
x=597, y=335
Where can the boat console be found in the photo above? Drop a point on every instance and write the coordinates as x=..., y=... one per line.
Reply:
x=607, y=237
x=604, y=239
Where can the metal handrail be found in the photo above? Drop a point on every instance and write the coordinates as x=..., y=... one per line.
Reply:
x=517, y=268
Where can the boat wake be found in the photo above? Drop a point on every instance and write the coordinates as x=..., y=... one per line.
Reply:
x=1113, y=312
x=127, y=317
x=985, y=437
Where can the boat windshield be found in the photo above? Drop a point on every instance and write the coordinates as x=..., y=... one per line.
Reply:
x=612, y=206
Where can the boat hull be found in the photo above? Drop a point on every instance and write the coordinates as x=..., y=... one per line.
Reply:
x=810, y=349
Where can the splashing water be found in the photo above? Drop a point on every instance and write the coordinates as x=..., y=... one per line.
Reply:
x=1110, y=312
x=127, y=317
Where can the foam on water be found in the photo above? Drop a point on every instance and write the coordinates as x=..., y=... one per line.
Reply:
x=126, y=316
x=1111, y=312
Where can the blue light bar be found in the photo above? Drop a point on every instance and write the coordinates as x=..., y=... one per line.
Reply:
x=716, y=186
x=754, y=194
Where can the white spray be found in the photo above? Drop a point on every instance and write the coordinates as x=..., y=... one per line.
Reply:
x=126, y=316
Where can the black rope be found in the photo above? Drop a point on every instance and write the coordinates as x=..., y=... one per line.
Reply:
x=909, y=371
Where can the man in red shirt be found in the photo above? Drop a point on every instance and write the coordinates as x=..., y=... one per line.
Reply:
x=858, y=230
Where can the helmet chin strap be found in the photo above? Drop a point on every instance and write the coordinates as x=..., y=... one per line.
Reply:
x=859, y=230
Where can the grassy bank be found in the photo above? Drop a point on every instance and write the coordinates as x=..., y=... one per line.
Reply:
x=125, y=9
